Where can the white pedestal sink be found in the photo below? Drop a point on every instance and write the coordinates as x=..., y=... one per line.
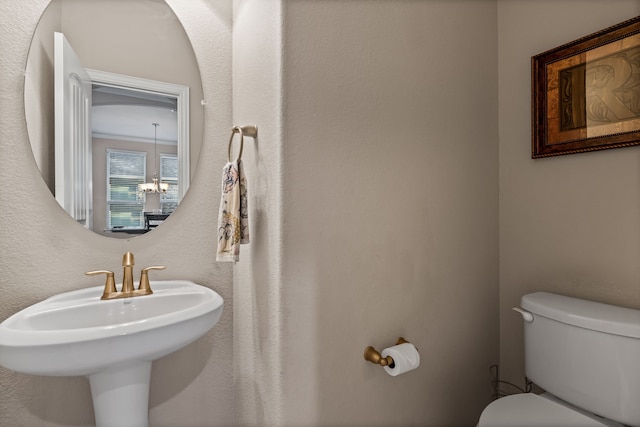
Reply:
x=112, y=342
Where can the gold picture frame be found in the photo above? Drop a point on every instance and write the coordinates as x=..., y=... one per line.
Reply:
x=586, y=94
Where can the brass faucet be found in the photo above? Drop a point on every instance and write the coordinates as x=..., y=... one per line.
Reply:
x=127, y=290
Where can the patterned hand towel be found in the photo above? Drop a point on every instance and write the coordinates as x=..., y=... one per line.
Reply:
x=233, y=218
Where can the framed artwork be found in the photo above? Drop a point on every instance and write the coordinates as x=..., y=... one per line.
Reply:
x=586, y=94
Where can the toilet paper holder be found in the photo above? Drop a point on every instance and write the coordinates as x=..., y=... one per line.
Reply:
x=374, y=356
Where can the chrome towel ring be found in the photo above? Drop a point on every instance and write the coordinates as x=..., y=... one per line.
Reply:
x=250, y=130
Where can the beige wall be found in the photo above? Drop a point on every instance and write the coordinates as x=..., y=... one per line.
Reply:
x=388, y=215
x=568, y=224
x=257, y=316
x=44, y=252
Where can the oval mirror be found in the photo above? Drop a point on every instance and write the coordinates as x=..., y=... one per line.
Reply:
x=112, y=103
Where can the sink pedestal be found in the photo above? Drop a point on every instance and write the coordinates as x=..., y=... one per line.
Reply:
x=121, y=395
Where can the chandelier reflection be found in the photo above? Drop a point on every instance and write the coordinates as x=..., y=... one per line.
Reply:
x=154, y=186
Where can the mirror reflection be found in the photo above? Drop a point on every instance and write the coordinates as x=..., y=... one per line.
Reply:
x=117, y=137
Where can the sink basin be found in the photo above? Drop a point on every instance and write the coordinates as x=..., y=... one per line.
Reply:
x=113, y=342
x=76, y=333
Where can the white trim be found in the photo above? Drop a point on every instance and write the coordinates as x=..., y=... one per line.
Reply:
x=181, y=93
x=133, y=138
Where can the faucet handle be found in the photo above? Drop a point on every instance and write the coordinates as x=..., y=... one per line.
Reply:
x=109, y=285
x=144, y=285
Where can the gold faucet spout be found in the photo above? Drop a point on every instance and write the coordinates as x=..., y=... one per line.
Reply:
x=127, y=277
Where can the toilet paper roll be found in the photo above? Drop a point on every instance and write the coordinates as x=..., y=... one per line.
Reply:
x=405, y=358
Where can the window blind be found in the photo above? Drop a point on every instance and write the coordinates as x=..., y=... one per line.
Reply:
x=125, y=204
x=169, y=175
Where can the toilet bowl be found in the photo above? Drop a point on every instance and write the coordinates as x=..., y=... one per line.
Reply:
x=532, y=410
x=584, y=354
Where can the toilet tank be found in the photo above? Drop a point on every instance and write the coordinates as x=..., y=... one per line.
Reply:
x=584, y=352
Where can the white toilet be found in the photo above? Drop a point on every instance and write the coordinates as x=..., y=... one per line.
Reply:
x=585, y=355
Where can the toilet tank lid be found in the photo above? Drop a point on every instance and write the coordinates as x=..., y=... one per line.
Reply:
x=586, y=314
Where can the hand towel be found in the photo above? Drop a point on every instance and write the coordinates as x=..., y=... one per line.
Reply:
x=233, y=217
